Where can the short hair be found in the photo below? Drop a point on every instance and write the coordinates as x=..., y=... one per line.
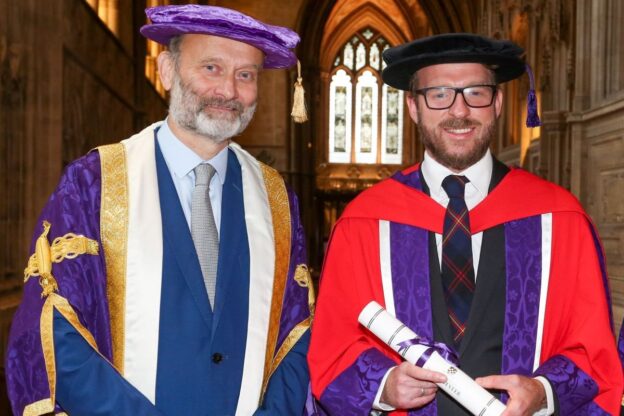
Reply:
x=175, y=47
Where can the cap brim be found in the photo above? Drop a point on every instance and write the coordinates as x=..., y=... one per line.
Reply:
x=399, y=74
x=276, y=56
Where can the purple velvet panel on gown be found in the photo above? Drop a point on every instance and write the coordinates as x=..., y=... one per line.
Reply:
x=410, y=276
x=523, y=247
x=73, y=207
x=353, y=391
x=411, y=287
x=412, y=179
x=575, y=388
x=295, y=308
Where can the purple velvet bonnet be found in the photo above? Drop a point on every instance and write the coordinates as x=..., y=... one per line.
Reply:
x=275, y=41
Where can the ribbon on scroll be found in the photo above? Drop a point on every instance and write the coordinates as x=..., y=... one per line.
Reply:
x=432, y=356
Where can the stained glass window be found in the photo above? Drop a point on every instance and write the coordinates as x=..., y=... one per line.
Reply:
x=366, y=99
x=348, y=56
x=365, y=115
x=374, y=56
x=391, y=125
x=360, y=56
x=340, y=118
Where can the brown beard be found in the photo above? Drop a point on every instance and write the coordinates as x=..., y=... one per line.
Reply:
x=456, y=162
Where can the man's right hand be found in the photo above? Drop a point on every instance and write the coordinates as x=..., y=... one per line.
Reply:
x=410, y=387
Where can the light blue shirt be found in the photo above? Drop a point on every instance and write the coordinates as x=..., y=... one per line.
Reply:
x=181, y=161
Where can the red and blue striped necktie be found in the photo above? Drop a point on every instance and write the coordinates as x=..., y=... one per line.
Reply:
x=457, y=268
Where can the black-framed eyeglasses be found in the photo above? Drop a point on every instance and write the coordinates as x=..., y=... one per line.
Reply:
x=475, y=96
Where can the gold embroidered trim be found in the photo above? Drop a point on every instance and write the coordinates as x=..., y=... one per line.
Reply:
x=54, y=301
x=41, y=407
x=68, y=246
x=290, y=341
x=114, y=231
x=280, y=214
x=304, y=279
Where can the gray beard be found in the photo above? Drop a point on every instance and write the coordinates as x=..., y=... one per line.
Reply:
x=187, y=110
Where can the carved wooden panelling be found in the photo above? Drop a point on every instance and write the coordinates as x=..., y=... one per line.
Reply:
x=604, y=200
x=93, y=113
x=611, y=201
x=13, y=82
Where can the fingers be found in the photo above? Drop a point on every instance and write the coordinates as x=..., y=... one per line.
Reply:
x=495, y=382
x=420, y=373
x=526, y=395
x=409, y=387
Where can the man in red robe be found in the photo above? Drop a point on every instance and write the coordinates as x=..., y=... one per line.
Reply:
x=495, y=262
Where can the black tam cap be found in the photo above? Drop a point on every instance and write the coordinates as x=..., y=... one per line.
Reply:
x=503, y=56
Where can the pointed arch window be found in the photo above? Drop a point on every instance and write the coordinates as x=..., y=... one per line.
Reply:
x=365, y=115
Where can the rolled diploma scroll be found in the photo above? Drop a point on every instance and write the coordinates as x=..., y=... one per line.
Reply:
x=459, y=386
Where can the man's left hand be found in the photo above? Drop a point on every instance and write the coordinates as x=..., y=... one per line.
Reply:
x=526, y=395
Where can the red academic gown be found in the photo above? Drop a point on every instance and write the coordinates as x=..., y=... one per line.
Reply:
x=577, y=354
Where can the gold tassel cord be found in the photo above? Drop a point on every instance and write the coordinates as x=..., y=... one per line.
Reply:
x=304, y=279
x=299, y=113
x=68, y=246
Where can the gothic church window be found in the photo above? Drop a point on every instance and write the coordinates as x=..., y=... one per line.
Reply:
x=365, y=115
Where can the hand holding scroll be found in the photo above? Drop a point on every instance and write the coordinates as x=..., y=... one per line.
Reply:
x=410, y=387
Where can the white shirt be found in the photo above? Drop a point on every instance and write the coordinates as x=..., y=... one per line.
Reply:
x=181, y=161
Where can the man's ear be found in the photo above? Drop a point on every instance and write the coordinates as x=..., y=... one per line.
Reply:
x=498, y=101
x=412, y=106
x=166, y=69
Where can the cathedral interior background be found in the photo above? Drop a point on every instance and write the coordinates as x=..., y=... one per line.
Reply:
x=75, y=74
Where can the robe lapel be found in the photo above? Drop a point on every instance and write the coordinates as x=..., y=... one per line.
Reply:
x=178, y=235
x=490, y=281
x=232, y=229
x=438, y=304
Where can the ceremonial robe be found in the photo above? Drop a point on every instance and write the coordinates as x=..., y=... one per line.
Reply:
x=556, y=309
x=139, y=305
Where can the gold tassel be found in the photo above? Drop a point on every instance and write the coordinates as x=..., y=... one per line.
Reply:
x=299, y=113
x=68, y=246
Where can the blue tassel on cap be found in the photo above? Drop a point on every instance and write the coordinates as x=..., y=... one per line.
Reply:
x=532, y=119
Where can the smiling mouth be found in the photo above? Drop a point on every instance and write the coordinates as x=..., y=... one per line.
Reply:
x=461, y=131
x=221, y=108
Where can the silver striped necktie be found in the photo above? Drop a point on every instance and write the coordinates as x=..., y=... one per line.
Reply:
x=204, y=229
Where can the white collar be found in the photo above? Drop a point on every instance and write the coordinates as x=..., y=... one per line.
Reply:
x=479, y=175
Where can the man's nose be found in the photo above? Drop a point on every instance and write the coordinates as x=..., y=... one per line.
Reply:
x=226, y=88
x=459, y=109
